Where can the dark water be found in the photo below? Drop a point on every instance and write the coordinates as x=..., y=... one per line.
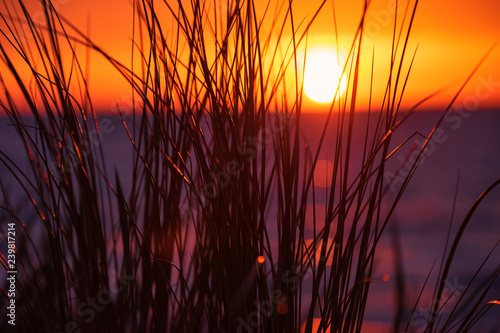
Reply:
x=463, y=160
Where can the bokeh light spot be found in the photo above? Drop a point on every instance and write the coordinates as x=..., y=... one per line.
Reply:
x=282, y=308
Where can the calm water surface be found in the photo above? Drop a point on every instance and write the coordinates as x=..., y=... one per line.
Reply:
x=465, y=157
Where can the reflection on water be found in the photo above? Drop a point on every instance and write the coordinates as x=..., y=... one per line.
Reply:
x=468, y=156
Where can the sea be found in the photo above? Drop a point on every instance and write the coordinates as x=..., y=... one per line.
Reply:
x=461, y=162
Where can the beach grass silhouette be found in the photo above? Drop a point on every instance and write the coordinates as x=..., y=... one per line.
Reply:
x=209, y=231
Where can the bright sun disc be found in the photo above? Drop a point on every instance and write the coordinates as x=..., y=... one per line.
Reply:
x=322, y=75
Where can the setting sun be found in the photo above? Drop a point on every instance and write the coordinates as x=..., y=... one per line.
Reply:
x=249, y=166
x=322, y=74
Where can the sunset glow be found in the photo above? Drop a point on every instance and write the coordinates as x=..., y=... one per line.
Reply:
x=445, y=44
x=323, y=79
x=249, y=165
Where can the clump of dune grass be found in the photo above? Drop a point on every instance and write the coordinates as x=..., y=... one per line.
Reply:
x=211, y=234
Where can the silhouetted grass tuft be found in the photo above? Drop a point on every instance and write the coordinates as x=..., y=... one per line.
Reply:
x=211, y=236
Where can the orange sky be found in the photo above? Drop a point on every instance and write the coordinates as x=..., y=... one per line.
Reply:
x=452, y=35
